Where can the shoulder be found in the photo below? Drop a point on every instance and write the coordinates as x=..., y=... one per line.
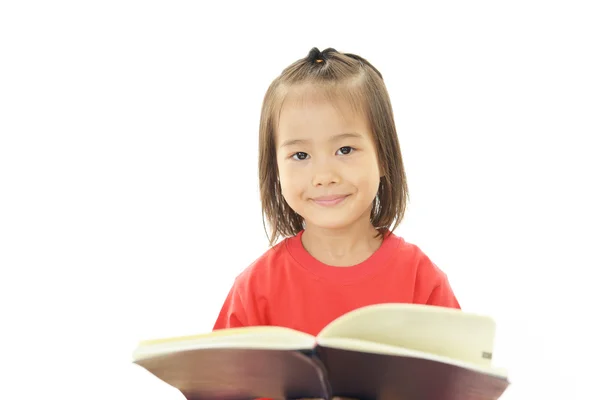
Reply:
x=264, y=268
x=424, y=266
x=415, y=263
x=248, y=300
x=431, y=283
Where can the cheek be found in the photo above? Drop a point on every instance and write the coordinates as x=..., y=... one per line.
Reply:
x=288, y=179
x=365, y=176
x=286, y=188
x=369, y=183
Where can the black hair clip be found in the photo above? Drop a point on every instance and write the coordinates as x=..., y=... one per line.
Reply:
x=317, y=56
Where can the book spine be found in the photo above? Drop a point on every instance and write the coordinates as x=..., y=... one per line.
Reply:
x=323, y=376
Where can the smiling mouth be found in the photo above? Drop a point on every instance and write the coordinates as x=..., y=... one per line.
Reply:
x=329, y=201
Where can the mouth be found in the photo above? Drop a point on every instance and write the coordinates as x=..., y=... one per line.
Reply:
x=328, y=201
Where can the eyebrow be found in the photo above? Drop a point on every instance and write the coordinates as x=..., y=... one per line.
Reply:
x=346, y=135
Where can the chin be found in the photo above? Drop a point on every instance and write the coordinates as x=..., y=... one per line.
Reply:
x=334, y=218
x=330, y=221
x=331, y=227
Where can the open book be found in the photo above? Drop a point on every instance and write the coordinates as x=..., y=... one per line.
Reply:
x=386, y=351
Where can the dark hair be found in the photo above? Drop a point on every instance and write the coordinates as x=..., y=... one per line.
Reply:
x=337, y=75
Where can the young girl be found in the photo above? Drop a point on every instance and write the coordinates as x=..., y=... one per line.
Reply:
x=333, y=185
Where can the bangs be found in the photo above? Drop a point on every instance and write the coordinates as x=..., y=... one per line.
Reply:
x=339, y=94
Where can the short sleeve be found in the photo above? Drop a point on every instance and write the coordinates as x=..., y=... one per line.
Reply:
x=432, y=286
x=442, y=294
x=245, y=305
x=232, y=314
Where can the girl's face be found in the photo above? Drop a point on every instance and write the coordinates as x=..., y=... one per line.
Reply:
x=328, y=167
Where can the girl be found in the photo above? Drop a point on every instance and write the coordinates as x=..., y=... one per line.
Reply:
x=333, y=185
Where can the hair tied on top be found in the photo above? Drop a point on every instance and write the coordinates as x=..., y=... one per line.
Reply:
x=317, y=56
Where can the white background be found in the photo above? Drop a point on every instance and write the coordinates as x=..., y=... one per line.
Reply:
x=128, y=188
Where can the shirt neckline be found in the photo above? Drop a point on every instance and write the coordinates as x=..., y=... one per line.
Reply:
x=375, y=263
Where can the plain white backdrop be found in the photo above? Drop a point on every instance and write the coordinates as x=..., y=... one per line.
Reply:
x=128, y=173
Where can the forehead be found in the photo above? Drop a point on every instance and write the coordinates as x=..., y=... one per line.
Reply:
x=311, y=113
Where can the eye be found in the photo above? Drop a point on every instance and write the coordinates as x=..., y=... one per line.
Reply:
x=346, y=150
x=300, y=156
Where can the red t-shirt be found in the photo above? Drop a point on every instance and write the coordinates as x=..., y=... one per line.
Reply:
x=288, y=287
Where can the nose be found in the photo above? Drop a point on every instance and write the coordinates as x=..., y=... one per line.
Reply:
x=324, y=174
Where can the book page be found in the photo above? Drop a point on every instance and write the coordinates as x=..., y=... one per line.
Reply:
x=259, y=337
x=440, y=331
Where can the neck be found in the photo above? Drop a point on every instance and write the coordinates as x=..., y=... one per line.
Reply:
x=341, y=247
